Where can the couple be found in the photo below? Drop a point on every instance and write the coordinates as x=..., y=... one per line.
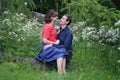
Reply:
x=56, y=46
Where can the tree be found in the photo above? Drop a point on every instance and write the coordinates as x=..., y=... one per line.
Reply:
x=107, y=3
x=0, y=4
x=18, y=5
x=117, y=3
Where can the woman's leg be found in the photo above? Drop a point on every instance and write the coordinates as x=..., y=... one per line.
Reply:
x=64, y=65
x=60, y=65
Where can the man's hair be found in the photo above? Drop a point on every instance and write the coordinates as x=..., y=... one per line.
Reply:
x=50, y=13
x=68, y=18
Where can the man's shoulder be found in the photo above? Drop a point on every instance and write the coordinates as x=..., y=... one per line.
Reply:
x=68, y=30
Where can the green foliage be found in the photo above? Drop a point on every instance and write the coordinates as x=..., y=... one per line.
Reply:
x=99, y=56
x=100, y=48
x=18, y=34
x=23, y=71
x=107, y=3
x=20, y=37
x=92, y=12
x=84, y=71
x=43, y=5
x=18, y=5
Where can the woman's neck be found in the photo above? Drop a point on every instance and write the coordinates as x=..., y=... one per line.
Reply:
x=52, y=22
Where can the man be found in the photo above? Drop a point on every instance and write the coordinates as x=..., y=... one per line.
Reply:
x=65, y=36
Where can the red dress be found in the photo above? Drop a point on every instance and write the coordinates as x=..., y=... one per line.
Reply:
x=49, y=33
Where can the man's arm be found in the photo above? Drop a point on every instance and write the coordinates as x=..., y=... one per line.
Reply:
x=68, y=41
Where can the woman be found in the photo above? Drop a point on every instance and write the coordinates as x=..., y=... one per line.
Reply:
x=50, y=48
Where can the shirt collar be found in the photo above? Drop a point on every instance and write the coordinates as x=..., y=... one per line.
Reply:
x=63, y=29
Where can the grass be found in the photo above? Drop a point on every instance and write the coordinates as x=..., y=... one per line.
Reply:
x=23, y=71
x=89, y=63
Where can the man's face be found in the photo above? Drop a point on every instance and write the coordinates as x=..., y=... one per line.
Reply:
x=63, y=20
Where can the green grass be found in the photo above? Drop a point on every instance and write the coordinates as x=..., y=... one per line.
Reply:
x=88, y=63
x=23, y=71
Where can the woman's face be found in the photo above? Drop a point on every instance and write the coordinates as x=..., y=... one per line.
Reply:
x=63, y=20
x=54, y=18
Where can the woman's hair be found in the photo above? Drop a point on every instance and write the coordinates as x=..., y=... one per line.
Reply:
x=50, y=13
x=68, y=18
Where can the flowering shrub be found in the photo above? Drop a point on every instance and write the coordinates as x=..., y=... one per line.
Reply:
x=110, y=36
x=18, y=32
x=76, y=29
x=103, y=35
x=117, y=23
x=90, y=34
x=18, y=25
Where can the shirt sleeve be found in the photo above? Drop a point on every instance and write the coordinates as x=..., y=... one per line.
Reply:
x=68, y=41
x=46, y=32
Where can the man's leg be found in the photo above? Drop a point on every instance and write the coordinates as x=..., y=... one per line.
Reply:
x=68, y=59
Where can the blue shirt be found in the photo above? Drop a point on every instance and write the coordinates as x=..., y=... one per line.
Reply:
x=65, y=36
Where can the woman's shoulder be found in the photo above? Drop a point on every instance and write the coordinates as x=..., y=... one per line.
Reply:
x=48, y=25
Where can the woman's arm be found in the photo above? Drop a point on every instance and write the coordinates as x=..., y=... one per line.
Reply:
x=46, y=41
x=49, y=43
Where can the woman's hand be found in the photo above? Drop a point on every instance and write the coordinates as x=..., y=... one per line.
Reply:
x=47, y=46
x=57, y=42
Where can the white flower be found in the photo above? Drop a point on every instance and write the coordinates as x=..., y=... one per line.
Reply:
x=118, y=48
x=117, y=23
x=81, y=23
x=90, y=34
x=25, y=3
x=118, y=61
x=89, y=44
x=21, y=14
x=75, y=38
x=5, y=12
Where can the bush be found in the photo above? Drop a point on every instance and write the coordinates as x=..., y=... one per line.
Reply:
x=19, y=35
x=91, y=12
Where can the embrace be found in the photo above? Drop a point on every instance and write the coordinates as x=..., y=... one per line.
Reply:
x=56, y=45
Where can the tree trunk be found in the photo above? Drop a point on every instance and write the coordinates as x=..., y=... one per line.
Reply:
x=0, y=4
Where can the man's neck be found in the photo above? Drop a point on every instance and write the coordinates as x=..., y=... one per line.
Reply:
x=63, y=26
